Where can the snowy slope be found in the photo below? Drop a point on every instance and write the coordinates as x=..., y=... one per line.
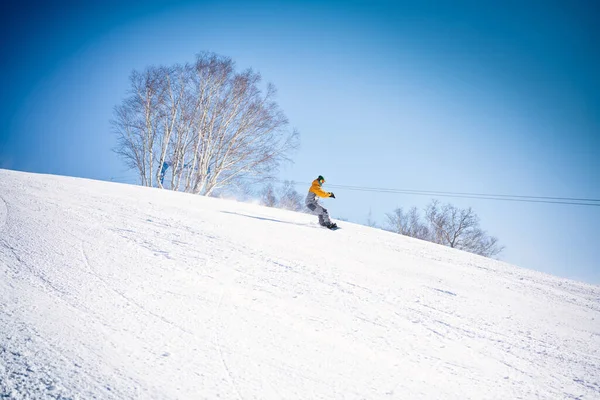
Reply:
x=113, y=291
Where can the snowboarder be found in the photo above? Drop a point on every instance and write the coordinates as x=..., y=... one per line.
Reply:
x=312, y=203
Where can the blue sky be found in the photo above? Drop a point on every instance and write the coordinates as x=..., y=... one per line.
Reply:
x=462, y=96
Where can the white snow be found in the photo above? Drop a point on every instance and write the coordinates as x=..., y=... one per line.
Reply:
x=113, y=291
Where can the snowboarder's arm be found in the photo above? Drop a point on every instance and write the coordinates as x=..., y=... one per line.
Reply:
x=316, y=189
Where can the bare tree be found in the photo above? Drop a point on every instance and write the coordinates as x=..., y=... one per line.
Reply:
x=285, y=197
x=289, y=198
x=136, y=122
x=268, y=197
x=172, y=85
x=397, y=222
x=446, y=225
x=184, y=138
x=416, y=228
x=213, y=126
x=241, y=132
x=408, y=224
x=459, y=228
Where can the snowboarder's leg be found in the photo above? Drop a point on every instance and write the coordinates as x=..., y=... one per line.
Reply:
x=321, y=212
x=323, y=216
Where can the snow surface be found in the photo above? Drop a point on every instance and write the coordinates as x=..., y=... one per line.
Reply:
x=114, y=291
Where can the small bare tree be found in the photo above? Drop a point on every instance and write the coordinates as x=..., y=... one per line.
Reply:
x=408, y=224
x=289, y=198
x=397, y=222
x=459, y=228
x=268, y=197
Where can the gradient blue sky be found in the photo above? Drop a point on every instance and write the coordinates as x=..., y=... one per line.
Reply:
x=463, y=96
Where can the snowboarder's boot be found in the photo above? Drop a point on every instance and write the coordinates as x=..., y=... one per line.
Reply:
x=332, y=225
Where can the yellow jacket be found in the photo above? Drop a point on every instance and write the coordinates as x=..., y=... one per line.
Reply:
x=316, y=189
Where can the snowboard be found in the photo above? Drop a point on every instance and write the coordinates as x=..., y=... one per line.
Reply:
x=331, y=229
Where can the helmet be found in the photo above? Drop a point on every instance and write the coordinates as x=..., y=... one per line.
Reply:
x=321, y=179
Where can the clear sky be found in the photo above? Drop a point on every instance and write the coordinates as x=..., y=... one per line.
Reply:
x=462, y=96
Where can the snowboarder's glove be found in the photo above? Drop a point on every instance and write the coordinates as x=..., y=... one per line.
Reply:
x=332, y=195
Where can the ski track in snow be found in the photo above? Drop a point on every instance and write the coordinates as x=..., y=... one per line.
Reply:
x=109, y=291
